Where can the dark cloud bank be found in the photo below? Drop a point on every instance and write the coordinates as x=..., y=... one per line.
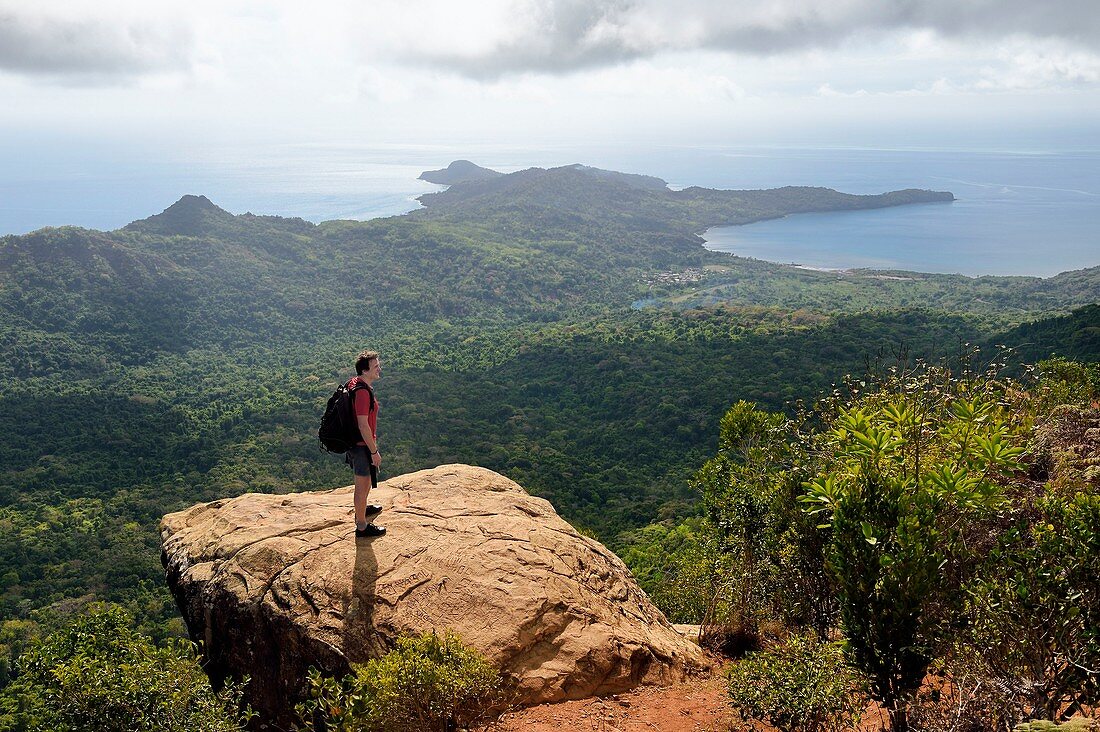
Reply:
x=567, y=35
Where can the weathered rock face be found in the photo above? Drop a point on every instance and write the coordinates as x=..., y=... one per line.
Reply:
x=275, y=584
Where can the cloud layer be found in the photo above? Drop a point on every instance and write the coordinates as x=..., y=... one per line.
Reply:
x=120, y=41
x=569, y=67
x=561, y=36
x=89, y=50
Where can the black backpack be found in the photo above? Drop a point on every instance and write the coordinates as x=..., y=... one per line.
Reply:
x=339, y=430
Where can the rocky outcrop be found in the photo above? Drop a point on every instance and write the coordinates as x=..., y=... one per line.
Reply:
x=274, y=584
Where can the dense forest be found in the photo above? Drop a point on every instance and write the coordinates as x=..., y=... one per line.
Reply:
x=564, y=327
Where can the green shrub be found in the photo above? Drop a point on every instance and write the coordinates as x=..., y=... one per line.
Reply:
x=98, y=675
x=803, y=684
x=428, y=683
x=907, y=467
x=1062, y=381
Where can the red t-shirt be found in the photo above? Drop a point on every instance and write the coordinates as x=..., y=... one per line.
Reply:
x=363, y=407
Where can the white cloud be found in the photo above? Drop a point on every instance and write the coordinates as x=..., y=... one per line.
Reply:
x=827, y=90
x=343, y=44
x=942, y=86
x=686, y=81
x=1034, y=68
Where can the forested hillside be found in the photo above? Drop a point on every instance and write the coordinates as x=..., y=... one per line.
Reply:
x=187, y=356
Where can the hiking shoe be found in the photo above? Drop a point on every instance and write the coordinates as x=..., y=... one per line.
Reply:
x=373, y=510
x=370, y=530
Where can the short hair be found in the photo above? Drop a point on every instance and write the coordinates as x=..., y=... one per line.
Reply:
x=362, y=363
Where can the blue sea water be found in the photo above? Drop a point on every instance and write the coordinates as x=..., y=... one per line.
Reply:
x=1018, y=212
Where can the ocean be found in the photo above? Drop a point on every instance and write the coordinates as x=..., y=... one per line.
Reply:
x=1022, y=212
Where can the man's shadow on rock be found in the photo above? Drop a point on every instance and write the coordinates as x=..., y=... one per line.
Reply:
x=361, y=642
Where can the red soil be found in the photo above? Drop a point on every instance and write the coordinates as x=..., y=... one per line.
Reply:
x=698, y=706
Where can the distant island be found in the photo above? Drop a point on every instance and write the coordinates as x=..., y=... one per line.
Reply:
x=460, y=171
x=637, y=201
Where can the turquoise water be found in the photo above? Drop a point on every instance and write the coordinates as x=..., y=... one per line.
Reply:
x=1018, y=212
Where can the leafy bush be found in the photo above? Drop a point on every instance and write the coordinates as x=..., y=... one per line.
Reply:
x=427, y=684
x=740, y=496
x=803, y=684
x=14, y=636
x=906, y=469
x=99, y=675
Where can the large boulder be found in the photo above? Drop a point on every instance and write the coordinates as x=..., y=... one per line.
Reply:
x=274, y=584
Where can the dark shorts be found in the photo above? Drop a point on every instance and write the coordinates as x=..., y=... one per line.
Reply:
x=358, y=458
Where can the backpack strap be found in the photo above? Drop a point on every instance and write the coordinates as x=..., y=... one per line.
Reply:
x=359, y=385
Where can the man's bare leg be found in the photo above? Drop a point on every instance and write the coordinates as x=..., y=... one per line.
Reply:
x=362, y=490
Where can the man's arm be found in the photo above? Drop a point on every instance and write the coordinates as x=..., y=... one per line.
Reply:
x=364, y=430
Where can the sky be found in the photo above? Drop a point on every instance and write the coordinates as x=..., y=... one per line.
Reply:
x=842, y=72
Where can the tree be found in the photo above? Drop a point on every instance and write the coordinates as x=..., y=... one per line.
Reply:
x=739, y=490
x=771, y=564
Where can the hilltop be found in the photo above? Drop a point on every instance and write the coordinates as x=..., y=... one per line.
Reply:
x=189, y=216
x=460, y=171
x=199, y=216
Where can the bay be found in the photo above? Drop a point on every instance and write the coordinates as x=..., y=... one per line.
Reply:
x=1015, y=214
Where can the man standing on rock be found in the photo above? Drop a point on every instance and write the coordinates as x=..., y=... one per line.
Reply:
x=364, y=457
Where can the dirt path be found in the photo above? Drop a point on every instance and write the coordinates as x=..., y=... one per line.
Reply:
x=695, y=706
x=698, y=706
